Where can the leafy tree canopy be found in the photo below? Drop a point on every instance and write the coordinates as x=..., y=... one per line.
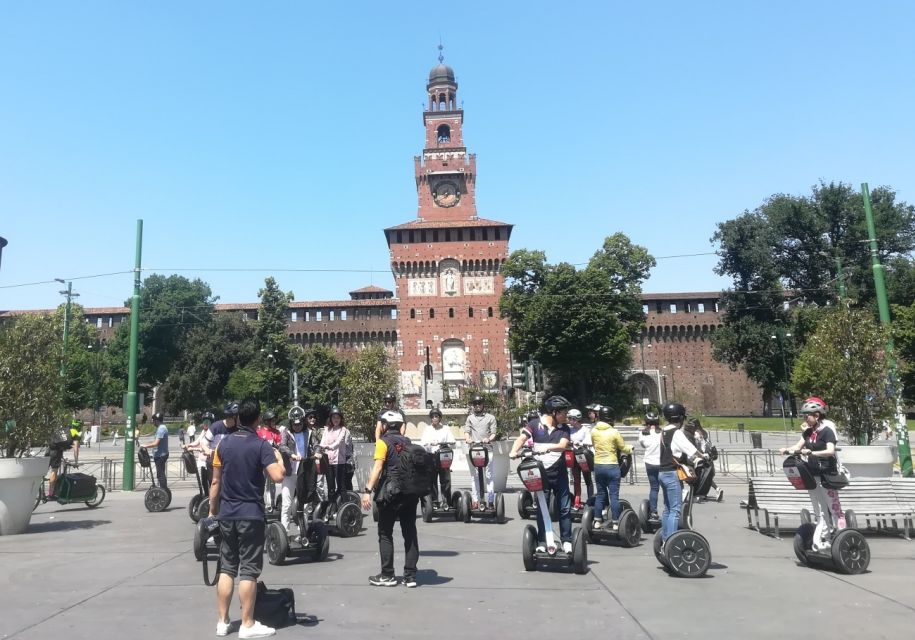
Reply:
x=578, y=323
x=369, y=375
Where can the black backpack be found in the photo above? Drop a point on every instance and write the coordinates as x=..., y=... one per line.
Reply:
x=409, y=469
x=274, y=607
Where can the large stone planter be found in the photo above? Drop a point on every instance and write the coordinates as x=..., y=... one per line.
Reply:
x=868, y=462
x=19, y=482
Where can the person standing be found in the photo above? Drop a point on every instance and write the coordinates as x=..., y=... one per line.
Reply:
x=608, y=445
x=198, y=446
x=390, y=404
x=268, y=431
x=580, y=434
x=192, y=428
x=676, y=447
x=335, y=442
x=480, y=427
x=160, y=444
x=434, y=436
x=392, y=507
x=650, y=441
x=294, y=447
x=240, y=463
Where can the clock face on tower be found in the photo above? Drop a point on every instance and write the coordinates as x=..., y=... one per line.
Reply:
x=446, y=194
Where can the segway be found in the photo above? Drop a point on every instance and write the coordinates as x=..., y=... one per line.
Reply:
x=193, y=507
x=432, y=508
x=533, y=476
x=687, y=554
x=650, y=522
x=479, y=457
x=625, y=531
x=831, y=542
x=157, y=498
x=342, y=515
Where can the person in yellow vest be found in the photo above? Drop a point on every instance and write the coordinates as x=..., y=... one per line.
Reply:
x=608, y=444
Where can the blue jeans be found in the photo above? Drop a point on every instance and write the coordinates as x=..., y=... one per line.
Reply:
x=670, y=521
x=652, y=471
x=608, y=478
x=558, y=482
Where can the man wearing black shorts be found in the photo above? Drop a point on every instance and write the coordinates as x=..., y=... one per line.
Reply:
x=236, y=495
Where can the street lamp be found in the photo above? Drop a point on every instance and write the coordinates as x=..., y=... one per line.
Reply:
x=3, y=243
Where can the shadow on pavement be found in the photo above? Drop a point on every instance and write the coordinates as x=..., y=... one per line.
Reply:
x=430, y=577
x=440, y=553
x=64, y=525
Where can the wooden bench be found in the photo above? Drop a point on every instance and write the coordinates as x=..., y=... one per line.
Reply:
x=881, y=501
x=776, y=497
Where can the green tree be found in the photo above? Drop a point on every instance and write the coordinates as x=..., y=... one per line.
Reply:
x=201, y=372
x=321, y=372
x=578, y=323
x=785, y=250
x=30, y=389
x=170, y=306
x=844, y=363
x=276, y=358
x=369, y=375
x=81, y=386
x=904, y=339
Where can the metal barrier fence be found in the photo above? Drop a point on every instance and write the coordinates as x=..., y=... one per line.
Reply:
x=109, y=473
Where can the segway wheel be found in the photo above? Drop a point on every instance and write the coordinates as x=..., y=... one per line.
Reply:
x=277, y=543
x=658, y=554
x=203, y=509
x=467, y=502
x=99, y=497
x=805, y=516
x=579, y=552
x=455, y=504
x=156, y=499
x=193, y=507
x=200, y=551
x=625, y=504
x=168, y=502
x=851, y=520
x=803, y=540
x=321, y=542
x=427, y=508
x=850, y=552
x=525, y=502
x=528, y=546
x=349, y=520
x=688, y=554
x=500, y=509
x=587, y=522
x=629, y=531
x=644, y=513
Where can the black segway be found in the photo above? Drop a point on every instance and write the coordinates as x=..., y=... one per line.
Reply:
x=687, y=554
x=828, y=543
x=533, y=476
x=157, y=498
x=625, y=531
x=193, y=507
x=433, y=508
x=479, y=457
x=341, y=515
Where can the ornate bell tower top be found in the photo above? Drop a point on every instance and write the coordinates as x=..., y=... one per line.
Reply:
x=445, y=173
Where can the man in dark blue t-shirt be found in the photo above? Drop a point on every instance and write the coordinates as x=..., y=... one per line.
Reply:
x=551, y=438
x=236, y=495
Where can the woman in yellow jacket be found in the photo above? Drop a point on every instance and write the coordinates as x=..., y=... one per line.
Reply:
x=608, y=444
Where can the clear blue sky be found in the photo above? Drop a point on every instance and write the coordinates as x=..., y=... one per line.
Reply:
x=282, y=134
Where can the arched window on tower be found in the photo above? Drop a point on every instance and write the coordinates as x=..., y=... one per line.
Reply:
x=444, y=134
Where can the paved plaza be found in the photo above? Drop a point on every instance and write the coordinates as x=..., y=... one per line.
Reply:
x=119, y=571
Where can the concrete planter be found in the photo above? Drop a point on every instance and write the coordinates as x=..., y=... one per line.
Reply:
x=868, y=462
x=19, y=482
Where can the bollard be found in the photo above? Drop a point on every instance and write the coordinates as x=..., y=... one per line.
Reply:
x=756, y=439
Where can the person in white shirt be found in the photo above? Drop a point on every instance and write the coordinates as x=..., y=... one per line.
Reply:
x=581, y=437
x=650, y=441
x=434, y=436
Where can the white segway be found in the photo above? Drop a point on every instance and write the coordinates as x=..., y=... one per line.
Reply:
x=687, y=553
x=533, y=475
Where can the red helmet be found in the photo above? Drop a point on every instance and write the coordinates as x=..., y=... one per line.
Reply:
x=815, y=405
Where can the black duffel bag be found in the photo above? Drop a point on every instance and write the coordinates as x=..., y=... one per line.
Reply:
x=76, y=486
x=274, y=607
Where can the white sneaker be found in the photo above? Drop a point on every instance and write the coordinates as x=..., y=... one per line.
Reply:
x=222, y=628
x=567, y=547
x=597, y=524
x=256, y=630
x=541, y=548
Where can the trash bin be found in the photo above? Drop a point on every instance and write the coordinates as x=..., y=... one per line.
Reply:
x=740, y=427
x=756, y=439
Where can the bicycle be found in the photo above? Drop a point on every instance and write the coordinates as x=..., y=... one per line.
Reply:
x=72, y=487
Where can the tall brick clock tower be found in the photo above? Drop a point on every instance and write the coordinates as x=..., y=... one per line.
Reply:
x=447, y=265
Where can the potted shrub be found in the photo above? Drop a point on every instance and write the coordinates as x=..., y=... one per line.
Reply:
x=29, y=413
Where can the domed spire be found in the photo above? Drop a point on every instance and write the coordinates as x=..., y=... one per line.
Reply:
x=441, y=72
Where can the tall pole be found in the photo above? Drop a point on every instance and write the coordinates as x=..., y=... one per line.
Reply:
x=840, y=278
x=132, y=409
x=902, y=431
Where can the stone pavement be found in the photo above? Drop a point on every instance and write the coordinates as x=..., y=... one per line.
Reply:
x=119, y=571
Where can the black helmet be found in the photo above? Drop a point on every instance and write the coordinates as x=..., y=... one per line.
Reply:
x=208, y=415
x=477, y=399
x=231, y=409
x=309, y=413
x=604, y=413
x=390, y=397
x=268, y=416
x=556, y=403
x=435, y=412
x=652, y=418
x=335, y=411
x=674, y=412
x=157, y=416
x=533, y=414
